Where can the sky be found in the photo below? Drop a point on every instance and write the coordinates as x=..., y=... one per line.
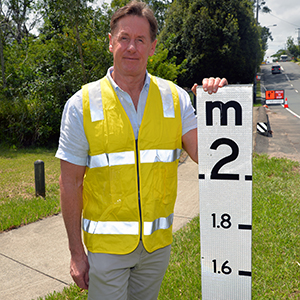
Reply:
x=286, y=15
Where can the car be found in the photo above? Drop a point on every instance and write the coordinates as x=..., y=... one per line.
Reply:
x=276, y=69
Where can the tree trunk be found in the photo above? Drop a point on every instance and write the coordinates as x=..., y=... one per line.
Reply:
x=2, y=59
x=80, y=52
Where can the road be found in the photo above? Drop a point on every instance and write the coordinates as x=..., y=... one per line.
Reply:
x=284, y=122
x=288, y=80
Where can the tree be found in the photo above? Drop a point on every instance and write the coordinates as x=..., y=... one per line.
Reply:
x=71, y=56
x=19, y=16
x=277, y=55
x=214, y=37
x=260, y=5
x=46, y=70
x=72, y=13
x=15, y=15
x=2, y=55
x=265, y=35
x=292, y=48
x=159, y=64
x=14, y=26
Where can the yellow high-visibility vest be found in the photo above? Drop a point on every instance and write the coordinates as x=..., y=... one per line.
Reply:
x=130, y=186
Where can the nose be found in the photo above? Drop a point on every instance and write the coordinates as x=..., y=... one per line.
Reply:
x=131, y=46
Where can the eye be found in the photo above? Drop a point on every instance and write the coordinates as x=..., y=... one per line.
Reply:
x=123, y=38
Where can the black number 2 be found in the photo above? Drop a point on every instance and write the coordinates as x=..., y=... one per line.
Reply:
x=235, y=152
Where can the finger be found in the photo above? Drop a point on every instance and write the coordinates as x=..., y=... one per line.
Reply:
x=223, y=82
x=81, y=281
x=213, y=84
x=194, y=88
x=208, y=84
x=205, y=84
x=87, y=279
x=216, y=84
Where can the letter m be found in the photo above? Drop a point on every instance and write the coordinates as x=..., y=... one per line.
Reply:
x=223, y=107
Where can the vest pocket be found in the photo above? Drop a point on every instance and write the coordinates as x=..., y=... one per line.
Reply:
x=159, y=184
x=164, y=184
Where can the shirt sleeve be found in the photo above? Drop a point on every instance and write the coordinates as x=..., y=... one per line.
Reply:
x=188, y=117
x=73, y=146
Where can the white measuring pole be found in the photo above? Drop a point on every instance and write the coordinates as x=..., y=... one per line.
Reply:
x=225, y=191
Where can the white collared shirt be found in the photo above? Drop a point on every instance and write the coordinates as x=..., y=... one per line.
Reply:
x=73, y=145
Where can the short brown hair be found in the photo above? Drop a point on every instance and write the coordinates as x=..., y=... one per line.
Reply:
x=135, y=8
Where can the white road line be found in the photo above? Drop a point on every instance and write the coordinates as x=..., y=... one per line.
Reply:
x=291, y=112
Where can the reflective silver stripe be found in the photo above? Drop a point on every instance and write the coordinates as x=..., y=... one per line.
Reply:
x=117, y=227
x=111, y=159
x=128, y=158
x=167, y=98
x=155, y=155
x=160, y=223
x=95, y=98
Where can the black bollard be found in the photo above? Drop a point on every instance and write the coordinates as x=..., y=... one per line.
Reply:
x=39, y=176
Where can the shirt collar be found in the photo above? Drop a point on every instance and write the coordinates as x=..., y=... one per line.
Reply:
x=117, y=88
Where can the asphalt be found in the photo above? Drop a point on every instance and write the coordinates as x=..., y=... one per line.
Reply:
x=284, y=138
x=34, y=259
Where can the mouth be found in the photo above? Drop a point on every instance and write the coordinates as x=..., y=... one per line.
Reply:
x=131, y=58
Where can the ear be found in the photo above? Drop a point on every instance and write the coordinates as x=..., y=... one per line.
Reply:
x=110, y=42
x=152, y=50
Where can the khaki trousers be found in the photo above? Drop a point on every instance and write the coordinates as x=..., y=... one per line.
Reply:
x=134, y=276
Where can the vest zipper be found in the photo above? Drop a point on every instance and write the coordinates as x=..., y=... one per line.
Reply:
x=138, y=183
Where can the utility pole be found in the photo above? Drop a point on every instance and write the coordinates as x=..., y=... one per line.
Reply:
x=255, y=69
x=257, y=8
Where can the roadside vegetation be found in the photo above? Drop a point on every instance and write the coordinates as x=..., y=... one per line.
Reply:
x=49, y=49
x=259, y=100
x=292, y=50
x=276, y=226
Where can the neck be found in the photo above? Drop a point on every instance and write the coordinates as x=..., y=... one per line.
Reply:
x=132, y=85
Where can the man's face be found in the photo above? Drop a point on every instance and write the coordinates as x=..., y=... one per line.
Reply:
x=131, y=46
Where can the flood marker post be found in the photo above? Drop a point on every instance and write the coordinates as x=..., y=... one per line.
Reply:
x=225, y=191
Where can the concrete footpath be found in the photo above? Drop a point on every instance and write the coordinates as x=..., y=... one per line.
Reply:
x=34, y=259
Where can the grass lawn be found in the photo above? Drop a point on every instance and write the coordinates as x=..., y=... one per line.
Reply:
x=276, y=229
x=276, y=225
x=259, y=101
x=18, y=203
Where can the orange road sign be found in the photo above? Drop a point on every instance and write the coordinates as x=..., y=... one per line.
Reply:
x=275, y=97
x=270, y=95
x=277, y=94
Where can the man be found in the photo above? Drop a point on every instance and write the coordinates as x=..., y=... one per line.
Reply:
x=119, y=148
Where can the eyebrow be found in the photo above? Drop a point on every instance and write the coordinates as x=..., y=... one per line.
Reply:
x=126, y=34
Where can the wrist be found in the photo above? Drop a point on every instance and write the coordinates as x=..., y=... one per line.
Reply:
x=77, y=251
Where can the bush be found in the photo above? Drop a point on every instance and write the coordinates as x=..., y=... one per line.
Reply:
x=27, y=123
